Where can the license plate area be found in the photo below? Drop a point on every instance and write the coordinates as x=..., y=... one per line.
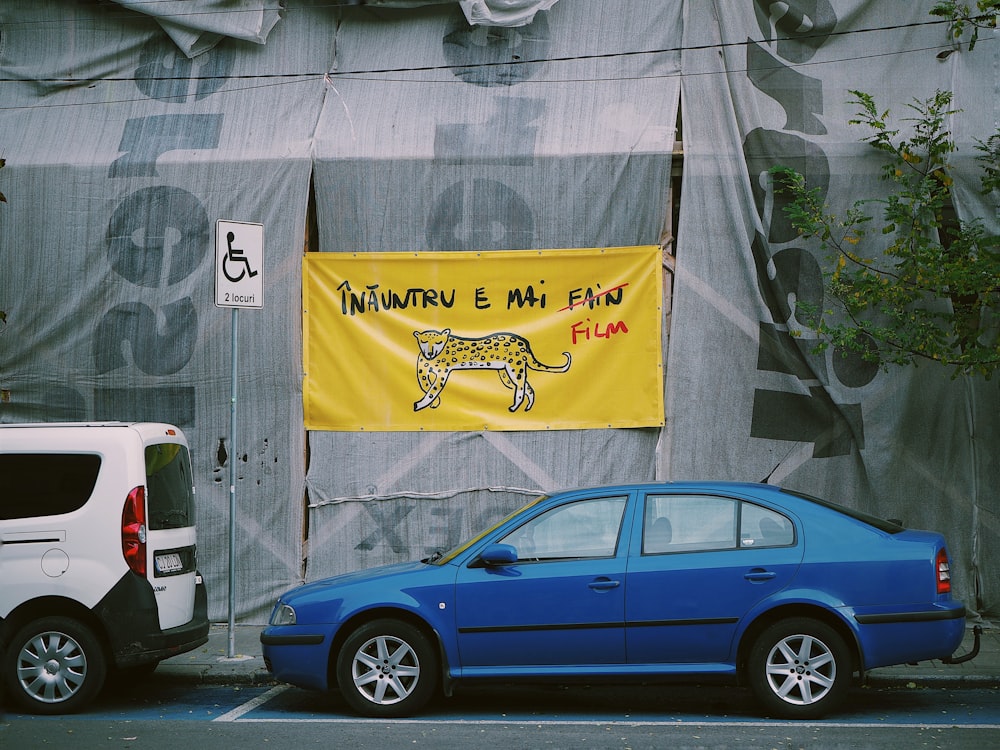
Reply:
x=173, y=562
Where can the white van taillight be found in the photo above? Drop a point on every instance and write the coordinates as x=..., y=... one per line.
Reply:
x=134, y=531
x=943, y=570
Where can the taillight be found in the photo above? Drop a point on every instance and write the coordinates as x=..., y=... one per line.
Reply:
x=134, y=531
x=943, y=570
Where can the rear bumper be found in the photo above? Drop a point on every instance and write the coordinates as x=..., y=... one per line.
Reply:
x=932, y=615
x=901, y=637
x=130, y=617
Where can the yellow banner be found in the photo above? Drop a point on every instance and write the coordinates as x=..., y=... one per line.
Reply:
x=468, y=341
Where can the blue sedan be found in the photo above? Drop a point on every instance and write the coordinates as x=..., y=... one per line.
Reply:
x=786, y=593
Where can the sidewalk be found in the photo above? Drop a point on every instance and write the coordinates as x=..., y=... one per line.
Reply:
x=210, y=663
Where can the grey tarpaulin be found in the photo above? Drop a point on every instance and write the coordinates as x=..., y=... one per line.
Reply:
x=122, y=151
x=127, y=134
x=452, y=150
x=121, y=154
x=477, y=12
x=746, y=398
x=196, y=26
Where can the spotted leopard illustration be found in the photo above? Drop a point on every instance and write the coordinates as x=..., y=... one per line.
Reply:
x=441, y=353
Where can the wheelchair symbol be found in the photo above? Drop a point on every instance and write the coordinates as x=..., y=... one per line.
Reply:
x=236, y=256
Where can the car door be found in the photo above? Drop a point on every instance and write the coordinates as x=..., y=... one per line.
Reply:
x=699, y=565
x=562, y=603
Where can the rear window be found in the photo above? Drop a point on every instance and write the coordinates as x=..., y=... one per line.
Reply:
x=46, y=484
x=879, y=523
x=169, y=494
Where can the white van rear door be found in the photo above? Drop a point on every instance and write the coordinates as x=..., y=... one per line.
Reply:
x=171, y=539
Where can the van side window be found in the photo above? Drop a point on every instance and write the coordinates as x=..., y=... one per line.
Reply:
x=46, y=484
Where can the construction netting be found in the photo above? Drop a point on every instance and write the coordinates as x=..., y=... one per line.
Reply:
x=129, y=129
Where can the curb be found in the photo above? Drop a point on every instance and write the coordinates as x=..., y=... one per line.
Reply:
x=210, y=676
x=937, y=681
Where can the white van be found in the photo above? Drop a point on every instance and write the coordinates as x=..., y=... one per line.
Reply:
x=98, y=558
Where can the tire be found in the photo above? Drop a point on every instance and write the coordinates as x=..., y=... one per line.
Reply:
x=387, y=668
x=800, y=669
x=54, y=665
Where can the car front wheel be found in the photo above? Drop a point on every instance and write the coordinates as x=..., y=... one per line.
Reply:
x=800, y=669
x=53, y=665
x=387, y=668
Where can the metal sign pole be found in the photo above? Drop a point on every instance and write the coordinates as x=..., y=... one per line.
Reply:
x=239, y=282
x=231, y=649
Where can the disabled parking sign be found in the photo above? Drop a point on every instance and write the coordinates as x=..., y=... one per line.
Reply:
x=239, y=264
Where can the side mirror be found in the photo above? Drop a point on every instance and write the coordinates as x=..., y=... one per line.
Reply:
x=498, y=554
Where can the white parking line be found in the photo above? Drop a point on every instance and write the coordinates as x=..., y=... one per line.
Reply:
x=538, y=723
x=250, y=705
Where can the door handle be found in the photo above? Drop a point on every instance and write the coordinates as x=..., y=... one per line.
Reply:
x=759, y=575
x=603, y=584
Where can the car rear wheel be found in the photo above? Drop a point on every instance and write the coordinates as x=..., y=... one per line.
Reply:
x=800, y=669
x=53, y=665
x=387, y=668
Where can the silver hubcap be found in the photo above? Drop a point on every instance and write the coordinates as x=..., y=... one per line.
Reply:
x=385, y=670
x=801, y=669
x=51, y=667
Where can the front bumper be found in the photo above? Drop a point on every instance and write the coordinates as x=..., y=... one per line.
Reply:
x=298, y=654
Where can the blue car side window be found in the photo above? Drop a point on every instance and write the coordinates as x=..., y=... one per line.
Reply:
x=763, y=527
x=582, y=529
x=688, y=523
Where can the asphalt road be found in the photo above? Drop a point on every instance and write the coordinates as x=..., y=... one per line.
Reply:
x=169, y=714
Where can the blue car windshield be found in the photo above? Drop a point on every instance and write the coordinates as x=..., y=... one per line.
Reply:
x=452, y=554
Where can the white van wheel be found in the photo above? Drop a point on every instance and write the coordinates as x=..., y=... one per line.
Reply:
x=53, y=665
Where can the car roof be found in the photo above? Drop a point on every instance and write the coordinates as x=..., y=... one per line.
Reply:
x=40, y=425
x=148, y=432
x=792, y=500
x=705, y=485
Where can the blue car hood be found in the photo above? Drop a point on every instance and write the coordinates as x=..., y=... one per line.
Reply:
x=358, y=576
x=334, y=599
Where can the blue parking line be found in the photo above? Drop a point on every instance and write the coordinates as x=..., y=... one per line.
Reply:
x=168, y=702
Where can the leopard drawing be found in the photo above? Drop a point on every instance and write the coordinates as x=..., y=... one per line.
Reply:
x=441, y=353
